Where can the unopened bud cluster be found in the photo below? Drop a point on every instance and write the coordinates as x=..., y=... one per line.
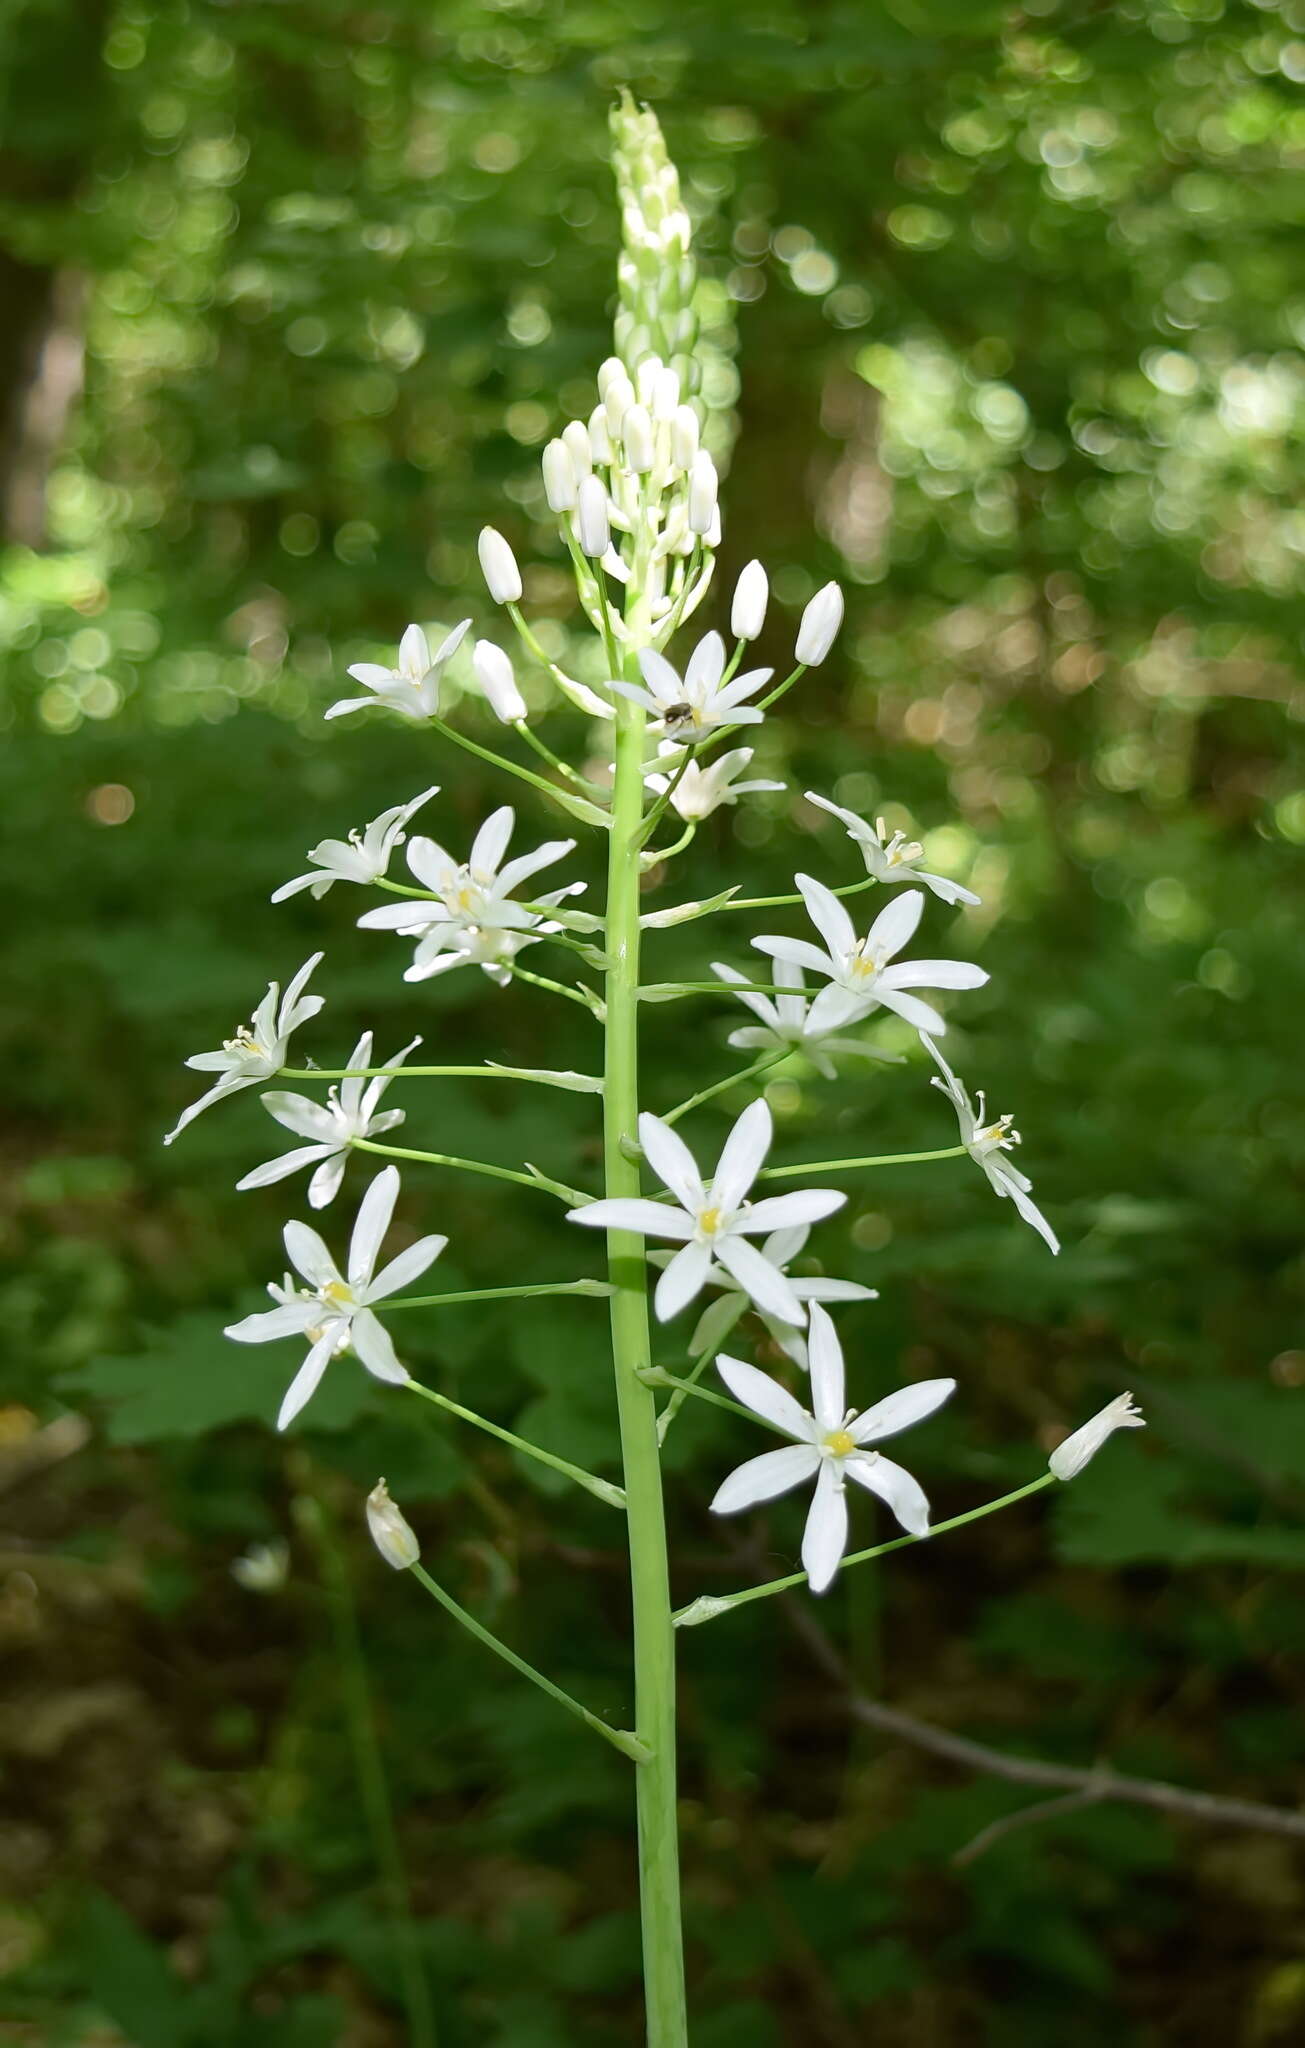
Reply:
x=656, y=275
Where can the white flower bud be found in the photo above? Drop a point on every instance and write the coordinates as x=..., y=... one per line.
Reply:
x=610, y=372
x=1069, y=1458
x=493, y=671
x=819, y=628
x=702, y=493
x=751, y=595
x=389, y=1532
x=665, y=395
x=600, y=439
x=576, y=439
x=591, y=517
x=617, y=400
x=684, y=437
x=498, y=566
x=637, y=439
x=645, y=379
x=559, y=477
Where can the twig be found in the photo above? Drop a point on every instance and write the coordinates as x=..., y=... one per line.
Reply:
x=1027, y=1817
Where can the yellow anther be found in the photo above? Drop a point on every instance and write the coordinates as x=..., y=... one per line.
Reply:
x=336, y=1292
x=840, y=1443
x=709, y=1222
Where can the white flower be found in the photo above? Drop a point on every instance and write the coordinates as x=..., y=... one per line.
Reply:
x=751, y=596
x=714, y=1223
x=781, y=1248
x=986, y=1144
x=389, y=1530
x=498, y=566
x=700, y=791
x=334, y=1312
x=819, y=626
x=829, y=1445
x=860, y=976
x=473, y=918
x=413, y=686
x=264, y=1567
x=1069, y=1458
x=493, y=671
x=786, y=1022
x=362, y=857
x=895, y=859
x=349, y=1112
x=701, y=701
x=258, y=1049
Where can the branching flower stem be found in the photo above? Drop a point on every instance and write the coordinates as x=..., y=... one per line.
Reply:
x=758, y=1067
x=602, y=1489
x=629, y=1745
x=542, y=1080
x=847, y=1165
x=526, y=1180
x=557, y=988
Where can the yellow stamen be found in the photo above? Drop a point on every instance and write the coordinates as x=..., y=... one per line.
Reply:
x=840, y=1443
x=336, y=1292
x=709, y=1222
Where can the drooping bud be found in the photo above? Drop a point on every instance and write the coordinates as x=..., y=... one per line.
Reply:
x=819, y=628
x=751, y=596
x=702, y=493
x=559, y=477
x=684, y=437
x=493, y=671
x=1069, y=1458
x=591, y=517
x=637, y=440
x=498, y=566
x=389, y=1531
x=576, y=440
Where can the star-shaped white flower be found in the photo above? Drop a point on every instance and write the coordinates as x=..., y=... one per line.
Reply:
x=334, y=1312
x=471, y=917
x=258, y=1049
x=701, y=701
x=829, y=1445
x=412, y=686
x=892, y=858
x=714, y=1223
x=700, y=791
x=781, y=1248
x=786, y=1022
x=988, y=1142
x=362, y=857
x=349, y=1112
x=859, y=972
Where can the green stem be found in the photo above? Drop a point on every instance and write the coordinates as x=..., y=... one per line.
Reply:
x=667, y=989
x=496, y=760
x=657, y=1376
x=602, y=1489
x=546, y=753
x=526, y=1180
x=655, y=815
x=629, y=1745
x=654, y=1641
x=557, y=988
x=782, y=902
x=369, y=1764
x=846, y=1165
x=761, y=1066
x=709, y=1605
x=655, y=855
x=589, y=1287
x=418, y=1073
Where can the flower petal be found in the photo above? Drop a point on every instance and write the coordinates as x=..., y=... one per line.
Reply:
x=650, y=1219
x=325, y=1183
x=682, y=1279
x=289, y=1321
x=278, y=1169
x=307, y=1380
x=309, y=1255
x=798, y=952
x=825, y=1362
x=782, y=1212
x=766, y=1398
x=672, y=1162
x=922, y=1016
x=764, y=1478
x=491, y=842
x=825, y=1537
x=371, y=1224
x=934, y=974
x=742, y=1156
x=895, y=924
x=894, y=1486
x=828, y=916
x=898, y=1410
x=375, y=1348
x=759, y=1279
x=407, y=1267
x=298, y=1113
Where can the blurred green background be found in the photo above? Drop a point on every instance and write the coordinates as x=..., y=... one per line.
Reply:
x=293, y=296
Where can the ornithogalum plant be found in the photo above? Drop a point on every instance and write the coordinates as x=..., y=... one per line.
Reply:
x=634, y=492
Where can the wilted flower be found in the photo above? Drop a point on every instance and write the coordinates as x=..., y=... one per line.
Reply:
x=830, y=1446
x=258, y=1049
x=335, y=1312
x=701, y=701
x=349, y=1112
x=362, y=857
x=700, y=791
x=895, y=858
x=987, y=1143
x=714, y=1223
x=1069, y=1458
x=413, y=686
x=786, y=1022
x=819, y=626
x=859, y=971
x=389, y=1530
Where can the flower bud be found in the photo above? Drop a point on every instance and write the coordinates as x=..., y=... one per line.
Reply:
x=819, y=628
x=645, y=379
x=559, y=477
x=610, y=372
x=498, y=566
x=576, y=439
x=684, y=437
x=665, y=395
x=751, y=595
x=493, y=671
x=1069, y=1458
x=637, y=439
x=702, y=493
x=617, y=400
x=600, y=439
x=591, y=517
x=389, y=1532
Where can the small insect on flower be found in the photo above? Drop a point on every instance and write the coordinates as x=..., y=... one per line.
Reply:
x=701, y=700
x=830, y=1445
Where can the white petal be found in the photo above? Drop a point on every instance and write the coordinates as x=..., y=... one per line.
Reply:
x=307, y=1380
x=759, y=1279
x=825, y=1363
x=371, y=1224
x=828, y=916
x=760, y=1006
x=1031, y=1213
x=298, y=1113
x=375, y=1348
x=325, y=1183
x=898, y=1410
x=407, y=1267
x=798, y=952
x=672, y=1162
x=265, y=1328
x=934, y=974
x=766, y=1398
x=278, y=1169
x=783, y=1212
x=491, y=842
x=904, y=1495
x=764, y=1478
x=922, y=1016
x=706, y=665
x=530, y=863
x=650, y=1219
x=896, y=923
x=742, y=1156
x=662, y=680
x=825, y=1537
x=682, y=1279
x=309, y=1256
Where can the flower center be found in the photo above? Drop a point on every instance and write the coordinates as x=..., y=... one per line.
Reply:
x=336, y=1293
x=840, y=1443
x=245, y=1045
x=900, y=851
x=863, y=966
x=709, y=1221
